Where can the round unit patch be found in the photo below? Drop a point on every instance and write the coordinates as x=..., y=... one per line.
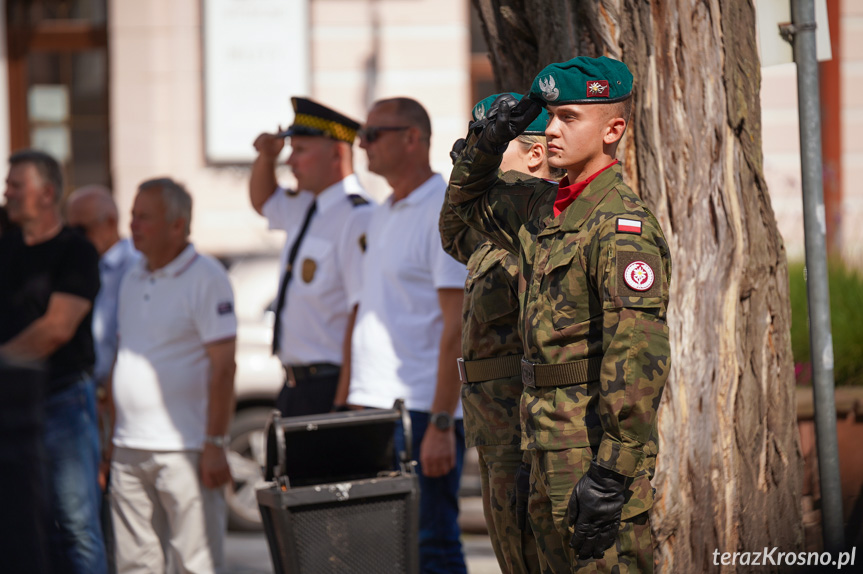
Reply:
x=638, y=276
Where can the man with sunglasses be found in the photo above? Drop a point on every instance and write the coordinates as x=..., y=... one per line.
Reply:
x=326, y=218
x=408, y=330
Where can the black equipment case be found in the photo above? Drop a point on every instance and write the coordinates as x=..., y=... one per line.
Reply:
x=338, y=500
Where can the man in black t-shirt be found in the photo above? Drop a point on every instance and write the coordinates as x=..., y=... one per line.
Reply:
x=49, y=277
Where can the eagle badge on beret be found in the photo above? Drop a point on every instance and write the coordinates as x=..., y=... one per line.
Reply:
x=549, y=91
x=479, y=112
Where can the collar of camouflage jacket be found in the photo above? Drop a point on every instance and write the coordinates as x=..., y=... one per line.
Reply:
x=577, y=214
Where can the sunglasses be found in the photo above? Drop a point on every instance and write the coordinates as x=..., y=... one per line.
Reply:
x=371, y=133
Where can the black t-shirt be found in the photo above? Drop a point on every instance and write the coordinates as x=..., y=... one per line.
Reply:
x=30, y=274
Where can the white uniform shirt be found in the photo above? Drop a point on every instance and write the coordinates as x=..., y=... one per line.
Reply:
x=161, y=379
x=327, y=270
x=396, y=339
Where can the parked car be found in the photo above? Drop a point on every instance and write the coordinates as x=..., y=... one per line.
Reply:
x=257, y=383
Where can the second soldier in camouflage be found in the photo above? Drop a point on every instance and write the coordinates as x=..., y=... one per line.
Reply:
x=491, y=353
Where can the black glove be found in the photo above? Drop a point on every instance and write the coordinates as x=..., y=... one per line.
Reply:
x=506, y=119
x=457, y=148
x=594, y=511
x=521, y=493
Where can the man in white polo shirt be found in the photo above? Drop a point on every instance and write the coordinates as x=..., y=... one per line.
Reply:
x=408, y=329
x=173, y=393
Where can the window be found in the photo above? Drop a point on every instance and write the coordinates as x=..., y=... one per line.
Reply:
x=58, y=84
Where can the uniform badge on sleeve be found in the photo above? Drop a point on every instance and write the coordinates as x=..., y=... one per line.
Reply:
x=639, y=276
x=628, y=226
x=225, y=308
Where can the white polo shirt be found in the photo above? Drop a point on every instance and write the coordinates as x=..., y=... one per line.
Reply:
x=161, y=378
x=396, y=339
x=327, y=270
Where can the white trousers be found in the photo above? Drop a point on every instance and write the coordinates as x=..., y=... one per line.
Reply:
x=165, y=521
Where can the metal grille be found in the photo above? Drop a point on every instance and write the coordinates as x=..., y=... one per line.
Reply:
x=353, y=537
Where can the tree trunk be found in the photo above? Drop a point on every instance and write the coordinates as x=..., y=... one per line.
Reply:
x=730, y=468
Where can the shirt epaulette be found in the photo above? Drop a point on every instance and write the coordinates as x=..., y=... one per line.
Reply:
x=357, y=200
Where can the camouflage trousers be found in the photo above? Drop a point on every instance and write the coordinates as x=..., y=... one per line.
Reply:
x=553, y=477
x=515, y=550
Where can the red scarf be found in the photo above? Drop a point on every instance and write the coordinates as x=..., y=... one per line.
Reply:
x=567, y=193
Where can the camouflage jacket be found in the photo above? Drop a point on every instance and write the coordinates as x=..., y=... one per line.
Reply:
x=489, y=329
x=576, y=302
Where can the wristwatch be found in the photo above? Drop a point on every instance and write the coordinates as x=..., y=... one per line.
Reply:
x=442, y=420
x=220, y=441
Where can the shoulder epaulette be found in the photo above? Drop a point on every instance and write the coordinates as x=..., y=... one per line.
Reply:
x=357, y=199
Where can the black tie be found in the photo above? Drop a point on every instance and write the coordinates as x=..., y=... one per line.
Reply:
x=286, y=278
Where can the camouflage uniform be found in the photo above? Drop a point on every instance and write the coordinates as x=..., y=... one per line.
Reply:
x=491, y=408
x=576, y=306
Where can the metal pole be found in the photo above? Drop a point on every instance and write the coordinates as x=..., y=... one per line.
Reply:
x=814, y=222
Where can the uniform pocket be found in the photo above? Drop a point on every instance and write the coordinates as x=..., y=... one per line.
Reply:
x=491, y=288
x=566, y=290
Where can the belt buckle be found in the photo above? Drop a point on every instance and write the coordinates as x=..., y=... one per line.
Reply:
x=462, y=372
x=528, y=377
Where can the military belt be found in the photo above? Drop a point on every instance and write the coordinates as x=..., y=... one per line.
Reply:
x=560, y=374
x=482, y=370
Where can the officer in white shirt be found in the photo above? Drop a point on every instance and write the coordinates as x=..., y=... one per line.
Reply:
x=326, y=219
x=408, y=329
x=172, y=388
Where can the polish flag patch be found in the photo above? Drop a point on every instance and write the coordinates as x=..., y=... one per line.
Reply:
x=628, y=226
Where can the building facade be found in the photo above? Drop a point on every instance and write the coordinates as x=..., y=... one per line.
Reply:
x=127, y=90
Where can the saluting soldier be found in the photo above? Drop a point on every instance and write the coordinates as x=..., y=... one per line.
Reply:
x=490, y=368
x=326, y=218
x=595, y=272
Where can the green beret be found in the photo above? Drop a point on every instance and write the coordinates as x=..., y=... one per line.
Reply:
x=536, y=127
x=582, y=80
x=314, y=119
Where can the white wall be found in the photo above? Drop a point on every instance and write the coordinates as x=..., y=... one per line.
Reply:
x=852, y=127
x=157, y=96
x=781, y=136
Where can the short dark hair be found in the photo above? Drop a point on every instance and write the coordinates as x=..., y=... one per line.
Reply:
x=413, y=113
x=621, y=109
x=47, y=167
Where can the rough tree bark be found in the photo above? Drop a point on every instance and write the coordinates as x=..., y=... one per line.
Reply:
x=730, y=465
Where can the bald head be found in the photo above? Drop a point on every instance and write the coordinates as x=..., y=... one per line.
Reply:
x=95, y=199
x=410, y=112
x=92, y=210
